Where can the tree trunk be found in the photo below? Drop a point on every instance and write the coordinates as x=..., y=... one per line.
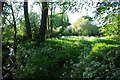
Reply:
x=1, y=6
x=51, y=20
x=27, y=22
x=55, y=35
x=43, y=26
x=48, y=23
x=15, y=30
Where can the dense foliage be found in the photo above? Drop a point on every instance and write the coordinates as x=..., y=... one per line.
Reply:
x=109, y=18
x=111, y=28
x=60, y=19
x=70, y=58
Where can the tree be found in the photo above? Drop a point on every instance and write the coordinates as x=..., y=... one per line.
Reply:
x=111, y=28
x=64, y=6
x=51, y=19
x=9, y=20
x=15, y=29
x=108, y=14
x=57, y=20
x=43, y=26
x=105, y=9
x=8, y=70
x=27, y=22
x=61, y=19
x=83, y=27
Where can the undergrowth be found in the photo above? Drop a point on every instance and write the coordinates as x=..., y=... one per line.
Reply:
x=69, y=58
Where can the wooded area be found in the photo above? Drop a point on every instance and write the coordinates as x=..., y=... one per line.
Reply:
x=44, y=45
